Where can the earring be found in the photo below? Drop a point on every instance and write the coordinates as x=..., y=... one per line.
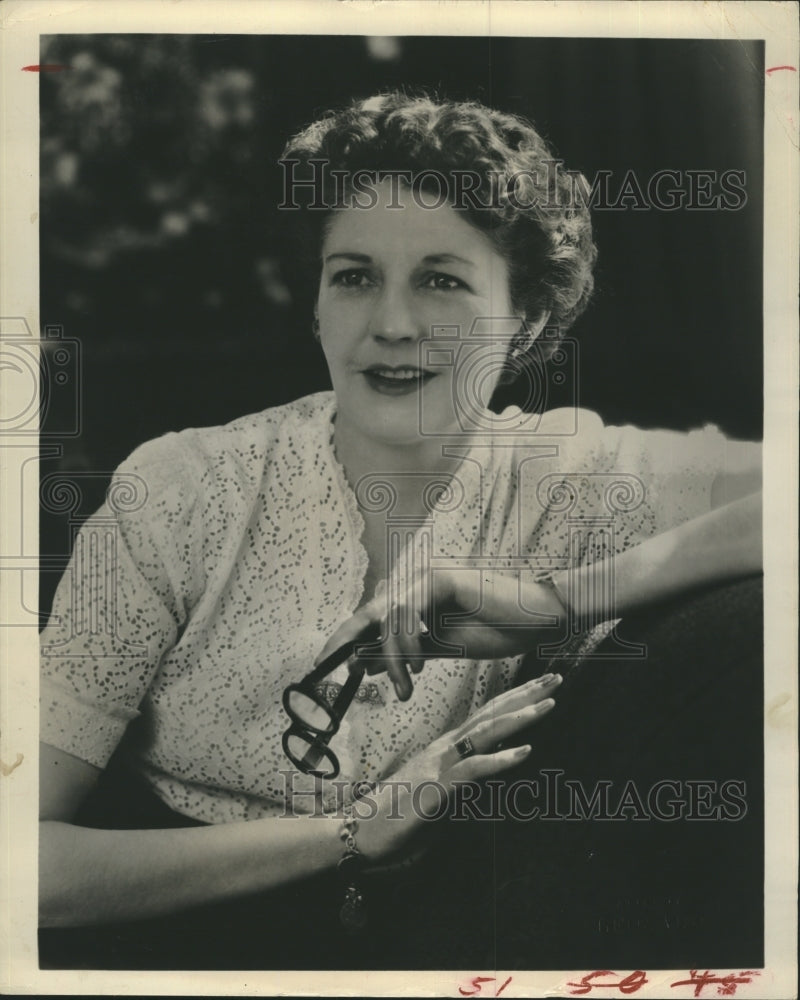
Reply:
x=522, y=343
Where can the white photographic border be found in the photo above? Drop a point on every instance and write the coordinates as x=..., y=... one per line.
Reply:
x=22, y=22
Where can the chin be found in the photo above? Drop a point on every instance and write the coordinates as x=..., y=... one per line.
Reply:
x=398, y=419
x=397, y=431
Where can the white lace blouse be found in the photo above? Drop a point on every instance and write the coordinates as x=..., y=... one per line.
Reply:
x=224, y=558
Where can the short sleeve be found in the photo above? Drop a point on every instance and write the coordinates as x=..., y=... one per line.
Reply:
x=133, y=576
x=625, y=482
x=677, y=470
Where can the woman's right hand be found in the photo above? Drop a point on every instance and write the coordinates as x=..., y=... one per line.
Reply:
x=481, y=616
x=96, y=876
x=399, y=806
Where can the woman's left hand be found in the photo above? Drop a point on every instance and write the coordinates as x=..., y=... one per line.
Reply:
x=474, y=614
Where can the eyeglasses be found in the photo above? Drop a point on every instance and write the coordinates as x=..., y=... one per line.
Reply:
x=315, y=721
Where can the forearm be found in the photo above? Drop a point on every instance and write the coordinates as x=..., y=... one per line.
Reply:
x=723, y=544
x=88, y=876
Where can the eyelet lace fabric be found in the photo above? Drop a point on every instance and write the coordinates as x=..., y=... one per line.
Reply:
x=182, y=617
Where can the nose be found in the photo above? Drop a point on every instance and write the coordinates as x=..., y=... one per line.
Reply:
x=394, y=318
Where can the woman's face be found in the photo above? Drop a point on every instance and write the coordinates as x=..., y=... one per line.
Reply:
x=390, y=277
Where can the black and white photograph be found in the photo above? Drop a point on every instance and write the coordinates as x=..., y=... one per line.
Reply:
x=403, y=556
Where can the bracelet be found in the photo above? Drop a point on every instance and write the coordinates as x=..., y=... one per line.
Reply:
x=546, y=576
x=353, y=913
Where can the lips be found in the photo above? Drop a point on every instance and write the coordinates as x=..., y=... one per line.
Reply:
x=396, y=380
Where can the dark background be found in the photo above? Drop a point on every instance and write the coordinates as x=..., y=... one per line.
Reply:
x=162, y=256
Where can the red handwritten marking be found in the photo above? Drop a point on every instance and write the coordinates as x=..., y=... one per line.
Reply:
x=630, y=984
x=727, y=984
x=477, y=984
x=774, y=69
x=44, y=68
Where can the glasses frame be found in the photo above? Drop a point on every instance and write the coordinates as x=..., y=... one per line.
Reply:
x=318, y=738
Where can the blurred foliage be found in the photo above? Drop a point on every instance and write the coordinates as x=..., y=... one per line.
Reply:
x=152, y=184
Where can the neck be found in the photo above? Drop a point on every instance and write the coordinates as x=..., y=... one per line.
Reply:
x=361, y=456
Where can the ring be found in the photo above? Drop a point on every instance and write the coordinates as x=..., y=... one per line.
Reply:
x=464, y=747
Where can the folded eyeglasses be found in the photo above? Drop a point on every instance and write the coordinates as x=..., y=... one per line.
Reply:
x=314, y=719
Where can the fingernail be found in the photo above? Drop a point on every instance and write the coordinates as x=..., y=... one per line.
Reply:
x=523, y=751
x=545, y=705
x=544, y=679
x=398, y=690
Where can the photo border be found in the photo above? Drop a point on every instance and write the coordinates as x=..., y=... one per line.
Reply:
x=22, y=22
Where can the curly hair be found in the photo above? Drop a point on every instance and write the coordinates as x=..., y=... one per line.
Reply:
x=519, y=197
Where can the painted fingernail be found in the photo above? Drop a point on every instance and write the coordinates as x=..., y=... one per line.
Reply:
x=423, y=627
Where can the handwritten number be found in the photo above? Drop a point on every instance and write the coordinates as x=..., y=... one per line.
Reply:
x=630, y=984
x=477, y=984
x=727, y=984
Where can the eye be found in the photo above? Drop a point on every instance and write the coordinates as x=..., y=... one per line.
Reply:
x=444, y=282
x=351, y=277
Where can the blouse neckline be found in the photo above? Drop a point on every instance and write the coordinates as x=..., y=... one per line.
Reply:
x=360, y=557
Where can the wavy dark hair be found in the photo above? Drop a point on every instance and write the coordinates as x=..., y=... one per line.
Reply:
x=526, y=204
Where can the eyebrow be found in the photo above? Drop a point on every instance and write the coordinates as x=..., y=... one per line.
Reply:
x=432, y=258
x=447, y=258
x=362, y=258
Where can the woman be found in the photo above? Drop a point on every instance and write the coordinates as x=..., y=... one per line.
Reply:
x=395, y=512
